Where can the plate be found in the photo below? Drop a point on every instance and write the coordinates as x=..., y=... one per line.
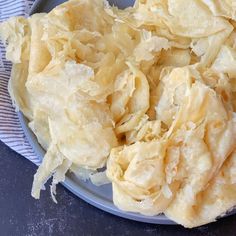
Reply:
x=100, y=197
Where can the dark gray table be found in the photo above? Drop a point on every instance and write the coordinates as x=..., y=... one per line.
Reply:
x=22, y=215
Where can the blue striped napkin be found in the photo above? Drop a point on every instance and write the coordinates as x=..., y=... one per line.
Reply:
x=11, y=132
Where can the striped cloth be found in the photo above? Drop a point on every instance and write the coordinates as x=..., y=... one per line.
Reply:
x=11, y=132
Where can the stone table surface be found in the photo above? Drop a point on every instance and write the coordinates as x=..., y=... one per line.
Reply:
x=20, y=214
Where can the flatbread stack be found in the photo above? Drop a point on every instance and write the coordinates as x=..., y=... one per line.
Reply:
x=149, y=92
